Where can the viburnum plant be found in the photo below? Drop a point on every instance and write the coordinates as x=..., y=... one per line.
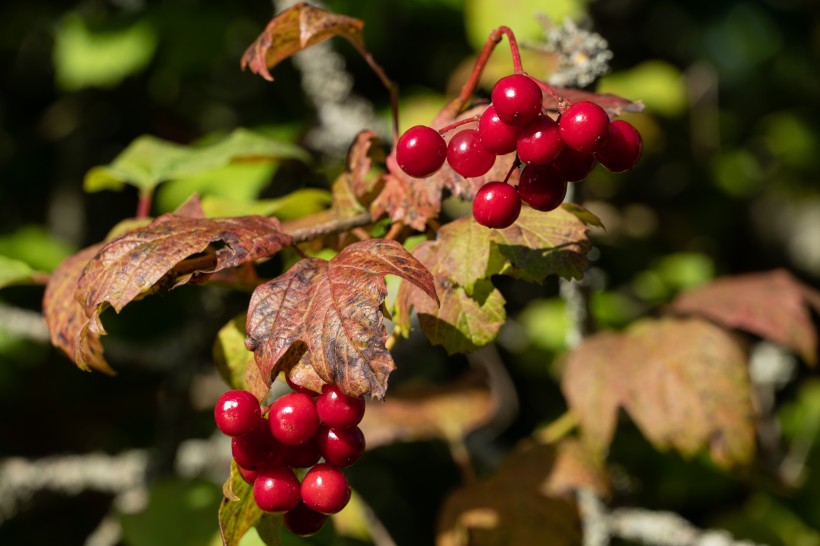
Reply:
x=319, y=326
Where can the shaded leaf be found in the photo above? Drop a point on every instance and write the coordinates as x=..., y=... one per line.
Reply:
x=684, y=382
x=149, y=160
x=14, y=272
x=525, y=501
x=238, y=512
x=295, y=29
x=332, y=310
x=426, y=412
x=773, y=305
x=234, y=362
x=66, y=318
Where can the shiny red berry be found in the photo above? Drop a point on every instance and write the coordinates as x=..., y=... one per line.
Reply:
x=303, y=521
x=517, y=99
x=496, y=136
x=572, y=165
x=540, y=141
x=340, y=447
x=255, y=449
x=540, y=187
x=467, y=156
x=276, y=489
x=336, y=409
x=237, y=412
x=293, y=418
x=496, y=205
x=325, y=489
x=624, y=148
x=585, y=126
x=421, y=151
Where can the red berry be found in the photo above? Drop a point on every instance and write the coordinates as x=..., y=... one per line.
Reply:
x=325, y=489
x=300, y=456
x=517, y=99
x=248, y=475
x=341, y=447
x=496, y=205
x=237, y=412
x=421, y=151
x=540, y=141
x=585, y=126
x=276, y=489
x=303, y=521
x=624, y=148
x=540, y=187
x=467, y=156
x=336, y=409
x=255, y=449
x=496, y=136
x=572, y=165
x=293, y=418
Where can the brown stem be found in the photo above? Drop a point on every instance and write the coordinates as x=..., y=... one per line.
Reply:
x=514, y=166
x=322, y=223
x=394, y=231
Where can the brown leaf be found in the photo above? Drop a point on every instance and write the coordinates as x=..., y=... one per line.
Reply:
x=613, y=104
x=405, y=199
x=428, y=412
x=333, y=311
x=773, y=305
x=295, y=29
x=66, y=317
x=684, y=382
x=525, y=501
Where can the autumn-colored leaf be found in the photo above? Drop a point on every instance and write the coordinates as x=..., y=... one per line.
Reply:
x=234, y=362
x=66, y=318
x=428, y=412
x=295, y=29
x=238, y=512
x=332, y=310
x=684, y=382
x=773, y=305
x=527, y=500
x=405, y=199
x=613, y=104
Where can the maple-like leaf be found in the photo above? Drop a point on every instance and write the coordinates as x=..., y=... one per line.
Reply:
x=684, y=382
x=330, y=312
x=465, y=255
x=773, y=305
x=294, y=29
x=527, y=500
x=66, y=318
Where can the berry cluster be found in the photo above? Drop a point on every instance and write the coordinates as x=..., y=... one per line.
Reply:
x=300, y=430
x=551, y=152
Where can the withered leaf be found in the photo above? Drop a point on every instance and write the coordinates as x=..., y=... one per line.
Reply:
x=684, y=382
x=295, y=29
x=412, y=201
x=773, y=305
x=66, y=317
x=525, y=501
x=332, y=310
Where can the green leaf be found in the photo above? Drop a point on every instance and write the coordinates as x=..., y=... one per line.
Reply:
x=294, y=205
x=149, y=160
x=35, y=246
x=658, y=84
x=100, y=57
x=238, y=512
x=16, y=272
x=231, y=357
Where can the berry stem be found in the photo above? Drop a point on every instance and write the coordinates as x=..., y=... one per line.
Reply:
x=518, y=68
x=563, y=102
x=515, y=164
x=459, y=123
x=391, y=86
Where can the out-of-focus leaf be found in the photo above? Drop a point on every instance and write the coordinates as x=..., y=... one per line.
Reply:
x=659, y=85
x=149, y=160
x=170, y=502
x=100, y=57
x=684, y=382
x=234, y=362
x=18, y=272
x=295, y=29
x=527, y=500
x=428, y=412
x=773, y=305
x=331, y=312
x=35, y=246
x=294, y=205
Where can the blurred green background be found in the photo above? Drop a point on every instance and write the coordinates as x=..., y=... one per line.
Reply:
x=729, y=183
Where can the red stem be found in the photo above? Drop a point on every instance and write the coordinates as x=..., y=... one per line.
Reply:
x=563, y=102
x=144, y=204
x=514, y=166
x=459, y=123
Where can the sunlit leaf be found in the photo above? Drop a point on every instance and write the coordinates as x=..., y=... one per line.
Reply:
x=331, y=312
x=659, y=85
x=684, y=382
x=773, y=305
x=17, y=272
x=149, y=160
x=294, y=29
x=234, y=362
x=35, y=246
x=298, y=203
x=238, y=512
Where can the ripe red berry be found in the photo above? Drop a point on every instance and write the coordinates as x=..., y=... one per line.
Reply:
x=300, y=456
x=293, y=418
x=237, y=412
x=517, y=99
x=572, y=165
x=276, y=489
x=325, y=489
x=303, y=521
x=467, y=156
x=540, y=141
x=248, y=475
x=255, y=449
x=336, y=409
x=624, y=148
x=496, y=205
x=540, y=187
x=496, y=136
x=585, y=126
x=341, y=447
x=421, y=151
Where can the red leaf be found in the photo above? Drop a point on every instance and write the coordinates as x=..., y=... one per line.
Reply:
x=331, y=312
x=295, y=29
x=684, y=382
x=773, y=305
x=66, y=318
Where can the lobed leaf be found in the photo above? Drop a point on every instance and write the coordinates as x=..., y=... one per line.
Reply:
x=330, y=312
x=773, y=305
x=684, y=382
x=295, y=29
